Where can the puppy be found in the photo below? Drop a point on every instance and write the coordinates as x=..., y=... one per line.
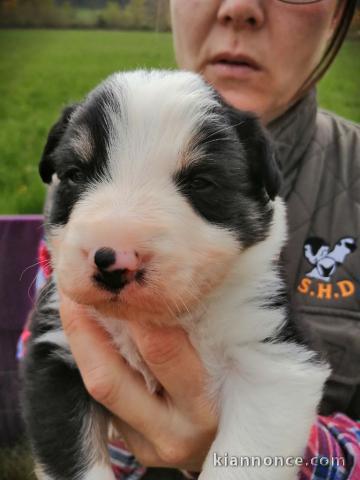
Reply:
x=164, y=209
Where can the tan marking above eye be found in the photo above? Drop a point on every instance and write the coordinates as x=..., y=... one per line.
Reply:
x=82, y=143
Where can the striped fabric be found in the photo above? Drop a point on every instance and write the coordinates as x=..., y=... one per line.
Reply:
x=124, y=464
x=332, y=453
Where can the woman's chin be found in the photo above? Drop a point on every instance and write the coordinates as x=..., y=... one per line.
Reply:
x=246, y=100
x=262, y=104
x=252, y=91
x=241, y=95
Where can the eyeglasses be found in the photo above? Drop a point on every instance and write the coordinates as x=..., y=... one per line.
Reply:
x=300, y=1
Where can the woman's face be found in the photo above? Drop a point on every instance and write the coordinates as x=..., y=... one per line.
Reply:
x=256, y=53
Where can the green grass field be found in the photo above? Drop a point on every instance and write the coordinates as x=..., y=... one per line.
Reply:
x=43, y=70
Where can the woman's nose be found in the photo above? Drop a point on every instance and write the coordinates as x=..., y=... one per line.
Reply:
x=241, y=14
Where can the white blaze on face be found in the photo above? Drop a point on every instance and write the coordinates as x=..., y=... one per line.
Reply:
x=161, y=116
x=137, y=207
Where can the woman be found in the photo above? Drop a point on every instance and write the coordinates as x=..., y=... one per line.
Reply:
x=265, y=56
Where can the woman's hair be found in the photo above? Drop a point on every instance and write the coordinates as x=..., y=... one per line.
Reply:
x=333, y=47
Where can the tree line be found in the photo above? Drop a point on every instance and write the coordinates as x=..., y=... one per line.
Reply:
x=115, y=14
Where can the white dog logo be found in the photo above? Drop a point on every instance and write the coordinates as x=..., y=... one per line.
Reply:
x=325, y=261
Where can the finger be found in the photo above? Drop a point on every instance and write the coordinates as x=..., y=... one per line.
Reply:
x=173, y=361
x=139, y=446
x=106, y=375
x=151, y=455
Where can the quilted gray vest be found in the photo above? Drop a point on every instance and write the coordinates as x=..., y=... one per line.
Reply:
x=319, y=154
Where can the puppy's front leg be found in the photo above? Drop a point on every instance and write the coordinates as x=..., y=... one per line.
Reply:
x=67, y=428
x=267, y=406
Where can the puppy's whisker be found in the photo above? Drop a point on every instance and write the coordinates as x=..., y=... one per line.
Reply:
x=196, y=299
x=30, y=287
x=228, y=127
x=214, y=140
x=173, y=313
x=191, y=293
x=36, y=264
x=184, y=304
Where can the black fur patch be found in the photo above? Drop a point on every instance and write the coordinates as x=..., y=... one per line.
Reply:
x=55, y=400
x=55, y=404
x=290, y=330
x=226, y=185
x=74, y=172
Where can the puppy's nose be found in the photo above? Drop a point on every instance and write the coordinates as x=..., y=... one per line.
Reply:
x=104, y=258
x=116, y=268
x=108, y=259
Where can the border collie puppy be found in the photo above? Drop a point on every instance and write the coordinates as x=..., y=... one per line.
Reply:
x=164, y=208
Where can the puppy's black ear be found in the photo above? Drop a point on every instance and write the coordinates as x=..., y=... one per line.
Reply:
x=264, y=169
x=47, y=167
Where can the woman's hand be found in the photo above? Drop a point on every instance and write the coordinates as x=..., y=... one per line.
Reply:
x=174, y=429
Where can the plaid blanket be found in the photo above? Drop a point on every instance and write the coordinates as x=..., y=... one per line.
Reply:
x=332, y=453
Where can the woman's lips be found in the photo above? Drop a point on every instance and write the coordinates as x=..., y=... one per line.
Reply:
x=239, y=67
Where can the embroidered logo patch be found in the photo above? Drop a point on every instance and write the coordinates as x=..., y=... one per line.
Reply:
x=325, y=261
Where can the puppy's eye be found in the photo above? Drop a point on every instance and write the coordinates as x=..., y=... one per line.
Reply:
x=202, y=184
x=72, y=176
